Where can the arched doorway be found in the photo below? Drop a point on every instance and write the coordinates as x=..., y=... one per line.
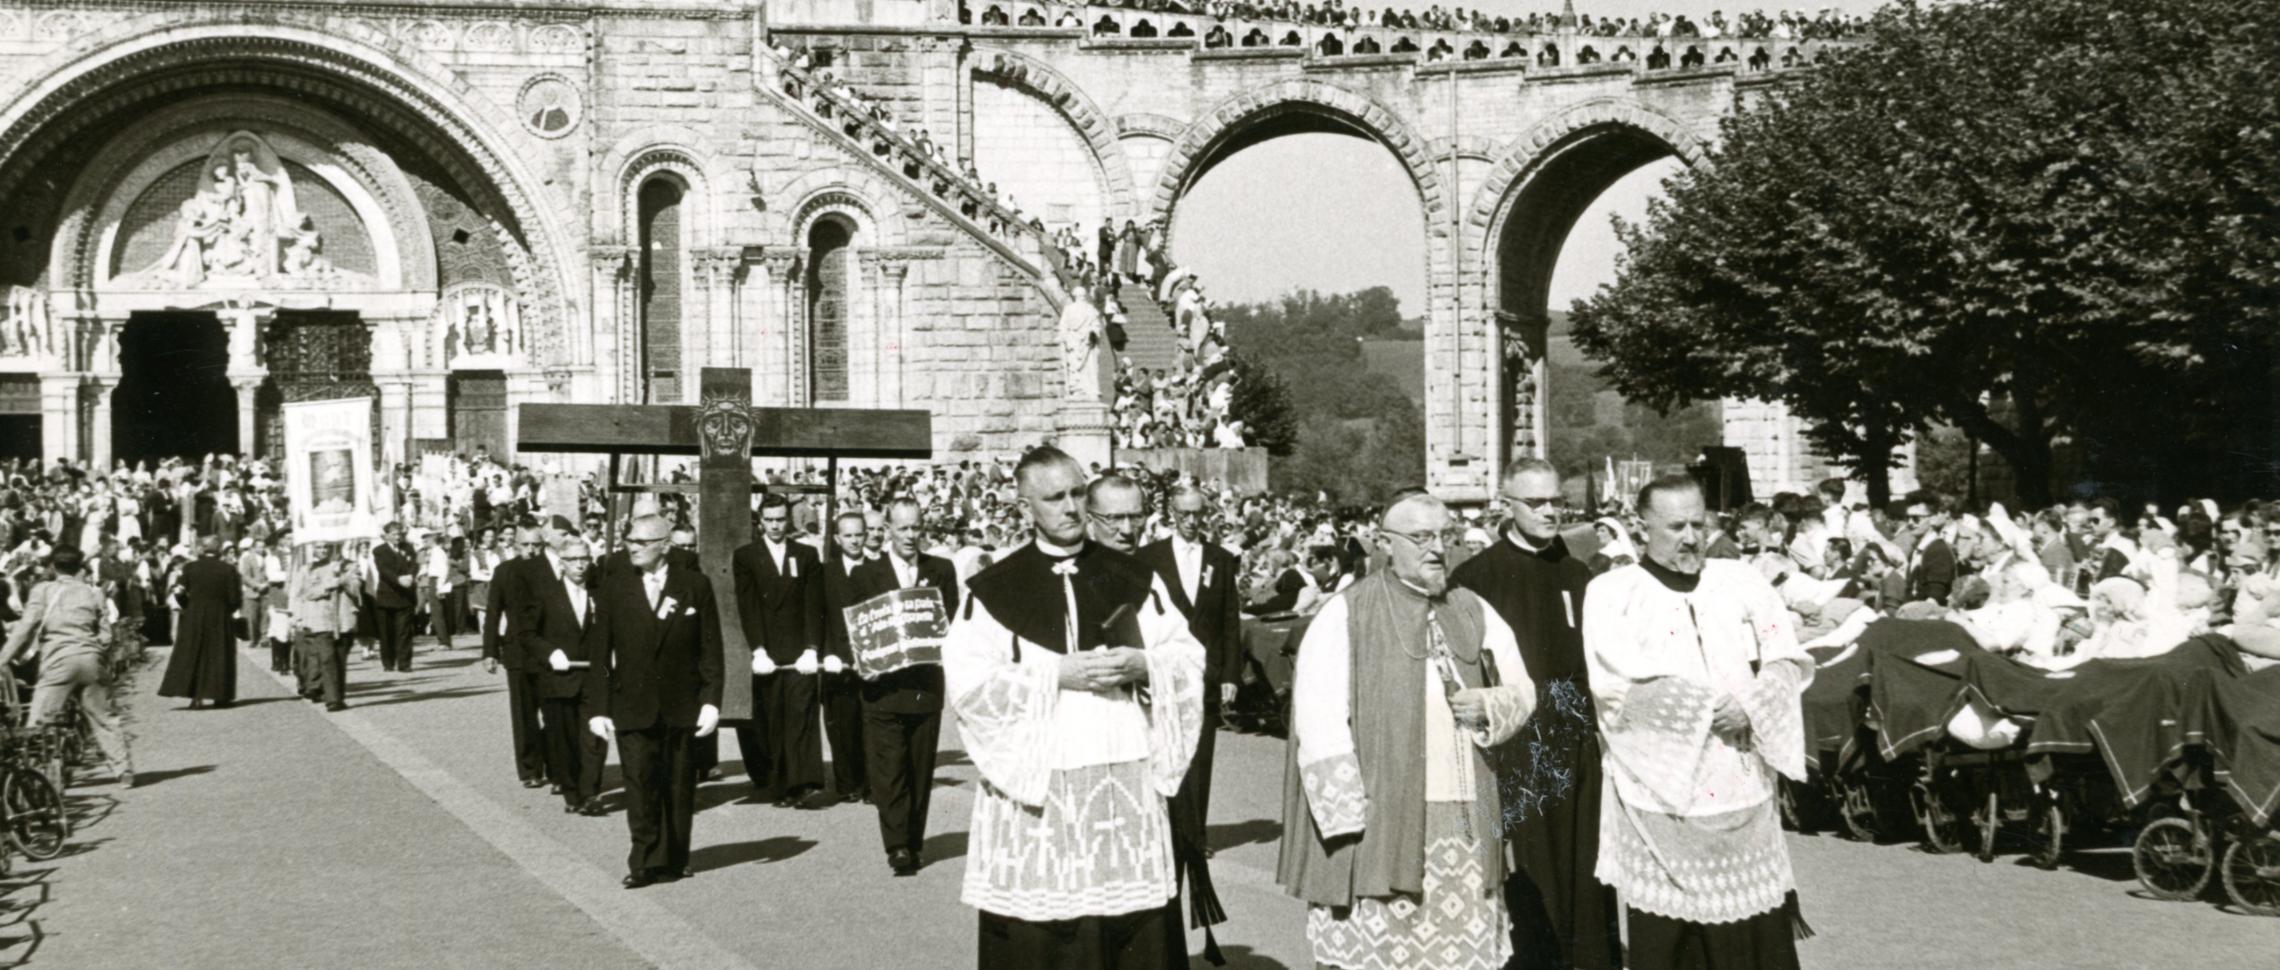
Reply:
x=1529, y=240
x=174, y=398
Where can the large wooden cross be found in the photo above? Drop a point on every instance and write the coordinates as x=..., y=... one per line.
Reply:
x=726, y=431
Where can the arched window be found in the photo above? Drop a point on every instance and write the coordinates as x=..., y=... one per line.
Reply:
x=827, y=277
x=660, y=289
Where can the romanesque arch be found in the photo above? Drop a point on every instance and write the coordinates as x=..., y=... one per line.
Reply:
x=1517, y=223
x=98, y=74
x=1202, y=143
x=643, y=154
x=1096, y=127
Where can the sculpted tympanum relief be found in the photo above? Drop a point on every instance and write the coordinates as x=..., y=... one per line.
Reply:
x=243, y=225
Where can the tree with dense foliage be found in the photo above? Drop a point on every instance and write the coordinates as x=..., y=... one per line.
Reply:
x=1351, y=432
x=2036, y=221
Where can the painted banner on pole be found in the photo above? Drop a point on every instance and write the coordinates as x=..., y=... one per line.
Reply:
x=328, y=470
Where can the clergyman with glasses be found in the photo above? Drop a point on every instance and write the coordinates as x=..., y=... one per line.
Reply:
x=1561, y=915
x=1392, y=828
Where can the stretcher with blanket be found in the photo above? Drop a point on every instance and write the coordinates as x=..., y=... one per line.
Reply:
x=2226, y=769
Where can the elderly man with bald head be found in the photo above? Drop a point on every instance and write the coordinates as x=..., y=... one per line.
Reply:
x=1392, y=834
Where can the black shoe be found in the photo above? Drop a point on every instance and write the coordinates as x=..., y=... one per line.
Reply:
x=676, y=875
x=637, y=880
x=903, y=862
x=592, y=808
x=336, y=707
x=554, y=790
x=569, y=808
x=533, y=782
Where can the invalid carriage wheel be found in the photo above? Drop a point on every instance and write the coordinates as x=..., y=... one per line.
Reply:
x=2174, y=859
x=2050, y=836
x=1989, y=822
x=1856, y=808
x=37, y=823
x=1943, y=830
x=2252, y=874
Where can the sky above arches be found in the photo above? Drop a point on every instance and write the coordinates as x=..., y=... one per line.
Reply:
x=1334, y=212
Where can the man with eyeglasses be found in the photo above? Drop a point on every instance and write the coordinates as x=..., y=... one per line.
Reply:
x=2113, y=549
x=1931, y=562
x=1561, y=915
x=510, y=588
x=1117, y=510
x=552, y=614
x=1402, y=686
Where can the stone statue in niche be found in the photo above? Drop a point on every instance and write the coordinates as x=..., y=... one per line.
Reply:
x=24, y=331
x=479, y=321
x=244, y=225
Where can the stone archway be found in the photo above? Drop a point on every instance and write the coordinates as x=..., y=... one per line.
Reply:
x=1209, y=137
x=1092, y=125
x=1519, y=220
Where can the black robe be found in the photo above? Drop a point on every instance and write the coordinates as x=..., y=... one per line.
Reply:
x=1549, y=774
x=204, y=664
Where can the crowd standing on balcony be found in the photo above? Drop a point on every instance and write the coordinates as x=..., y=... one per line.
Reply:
x=1824, y=24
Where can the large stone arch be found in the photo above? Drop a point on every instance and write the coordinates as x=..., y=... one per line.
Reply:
x=1517, y=223
x=646, y=152
x=1096, y=127
x=150, y=57
x=1204, y=138
x=853, y=189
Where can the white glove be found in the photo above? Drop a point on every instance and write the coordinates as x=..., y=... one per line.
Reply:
x=602, y=727
x=807, y=663
x=761, y=665
x=558, y=661
x=708, y=718
x=834, y=665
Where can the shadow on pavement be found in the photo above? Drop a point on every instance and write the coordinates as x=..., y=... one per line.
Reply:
x=1243, y=833
x=943, y=848
x=775, y=849
x=410, y=696
x=146, y=778
x=1245, y=958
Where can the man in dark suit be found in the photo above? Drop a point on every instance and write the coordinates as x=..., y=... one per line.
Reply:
x=1931, y=561
x=779, y=597
x=902, y=711
x=549, y=630
x=509, y=591
x=1201, y=576
x=842, y=692
x=683, y=553
x=395, y=596
x=655, y=676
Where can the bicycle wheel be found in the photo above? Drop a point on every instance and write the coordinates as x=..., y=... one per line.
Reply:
x=2173, y=859
x=2252, y=874
x=37, y=824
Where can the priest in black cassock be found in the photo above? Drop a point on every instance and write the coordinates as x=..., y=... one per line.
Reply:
x=1549, y=775
x=203, y=666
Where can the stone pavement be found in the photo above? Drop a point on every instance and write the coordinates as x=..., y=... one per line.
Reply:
x=272, y=834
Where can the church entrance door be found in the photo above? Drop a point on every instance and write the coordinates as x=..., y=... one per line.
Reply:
x=477, y=402
x=174, y=398
x=19, y=416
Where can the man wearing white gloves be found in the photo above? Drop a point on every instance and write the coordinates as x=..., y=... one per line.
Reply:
x=655, y=649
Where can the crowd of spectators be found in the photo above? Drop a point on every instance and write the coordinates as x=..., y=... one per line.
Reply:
x=1825, y=24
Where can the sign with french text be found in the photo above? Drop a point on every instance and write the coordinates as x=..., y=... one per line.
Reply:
x=898, y=629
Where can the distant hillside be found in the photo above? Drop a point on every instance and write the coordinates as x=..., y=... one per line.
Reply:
x=1402, y=360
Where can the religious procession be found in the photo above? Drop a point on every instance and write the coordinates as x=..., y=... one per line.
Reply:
x=764, y=483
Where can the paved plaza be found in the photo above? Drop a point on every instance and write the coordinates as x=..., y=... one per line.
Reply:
x=270, y=834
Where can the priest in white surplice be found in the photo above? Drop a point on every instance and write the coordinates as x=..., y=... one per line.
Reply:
x=1079, y=695
x=1392, y=829
x=1696, y=672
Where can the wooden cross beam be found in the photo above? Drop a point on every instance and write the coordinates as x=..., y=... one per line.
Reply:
x=727, y=432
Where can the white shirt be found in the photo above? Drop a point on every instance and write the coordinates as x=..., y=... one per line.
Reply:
x=577, y=601
x=653, y=583
x=1188, y=556
x=906, y=573
x=776, y=553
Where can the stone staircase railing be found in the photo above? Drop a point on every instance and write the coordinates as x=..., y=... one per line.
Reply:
x=936, y=185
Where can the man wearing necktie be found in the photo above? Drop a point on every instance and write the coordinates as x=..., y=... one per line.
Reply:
x=842, y=698
x=779, y=595
x=902, y=710
x=549, y=625
x=654, y=652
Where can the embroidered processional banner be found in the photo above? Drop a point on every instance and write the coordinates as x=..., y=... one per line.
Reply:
x=897, y=629
x=329, y=482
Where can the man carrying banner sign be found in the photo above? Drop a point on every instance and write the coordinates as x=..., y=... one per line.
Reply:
x=328, y=462
x=903, y=603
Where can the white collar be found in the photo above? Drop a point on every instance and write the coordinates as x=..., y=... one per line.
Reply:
x=1524, y=543
x=1048, y=547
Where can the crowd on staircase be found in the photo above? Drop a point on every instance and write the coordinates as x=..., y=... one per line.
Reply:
x=1825, y=24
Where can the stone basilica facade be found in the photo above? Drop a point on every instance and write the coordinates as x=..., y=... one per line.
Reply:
x=211, y=209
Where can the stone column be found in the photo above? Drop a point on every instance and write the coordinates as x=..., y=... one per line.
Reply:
x=59, y=418
x=788, y=375
x=1082, y=429
x=246, y=417
x=98, y=395
x=616, y=347
x=246, y=370
x=894, y=338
